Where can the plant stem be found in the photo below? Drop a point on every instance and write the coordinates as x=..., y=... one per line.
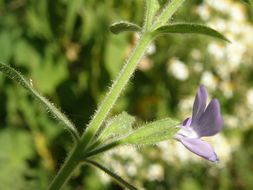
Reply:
x=150, y=13
x=116, y=89
x=67, y=169
x=78, y=151
x=168, y=11
x=101, y=149
x=117, y=178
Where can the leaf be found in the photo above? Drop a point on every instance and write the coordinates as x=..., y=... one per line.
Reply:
x=123, y=26
x=16, y=76
x=118, y=126
x=153, y=132
x=190, y=29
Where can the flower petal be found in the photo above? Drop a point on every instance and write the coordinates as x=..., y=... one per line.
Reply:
x=211, y=121
x=187, y=122
x=199, y=147
x=199, y=103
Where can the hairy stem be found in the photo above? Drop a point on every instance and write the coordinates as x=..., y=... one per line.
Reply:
x=101, y=149
x=150, y=13
x=167, y=12
x=79, y=151
x=116, y=89
x=67, y=169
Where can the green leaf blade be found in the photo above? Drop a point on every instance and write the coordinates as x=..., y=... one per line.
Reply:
x=190, y=29
x=57, y=114
x=124, y=26
x=153, y=132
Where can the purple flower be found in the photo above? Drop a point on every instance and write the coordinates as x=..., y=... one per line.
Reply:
x=205, y=121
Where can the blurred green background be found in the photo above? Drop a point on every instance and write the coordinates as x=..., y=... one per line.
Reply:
x=66, y=51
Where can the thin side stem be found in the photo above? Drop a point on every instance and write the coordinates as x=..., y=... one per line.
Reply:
x=101, y=149
x=168, y=11
x=117, y=178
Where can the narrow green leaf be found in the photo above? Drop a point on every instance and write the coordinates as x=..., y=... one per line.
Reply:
x=114, y=176
x=16, y=76
x=153, y=132
x=123, y=26
x=190, y=29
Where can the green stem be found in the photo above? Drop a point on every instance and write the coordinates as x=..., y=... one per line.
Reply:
x=150, y=13
x=168, y=11
x=67, y=169
x=117, y=178
x=102, y=149
x=116, y=89
x=79, y=151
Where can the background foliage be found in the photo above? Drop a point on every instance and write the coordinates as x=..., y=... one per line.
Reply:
x=66, y=51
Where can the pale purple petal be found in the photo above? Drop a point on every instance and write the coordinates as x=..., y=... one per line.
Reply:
x=199, y=103
x=211, y=121
x=199, y=147
x=187, y=122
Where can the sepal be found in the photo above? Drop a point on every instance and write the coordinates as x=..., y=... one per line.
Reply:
x=154, y=132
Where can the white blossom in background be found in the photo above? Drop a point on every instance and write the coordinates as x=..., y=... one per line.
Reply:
x=216, y=49
x=209, y=80
x=227, y=88
x=185, y=106
x=178, y=155
x=223, y=147
x=196, y=54
x=145, y=64
x=155, y=172
x=236, y=27
x=198, y=67
x=178, y=69
x=231, y=121
x=105, y=178
x=249, y=98
x=204, y=12
x=131, y=169
x=151, y=49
